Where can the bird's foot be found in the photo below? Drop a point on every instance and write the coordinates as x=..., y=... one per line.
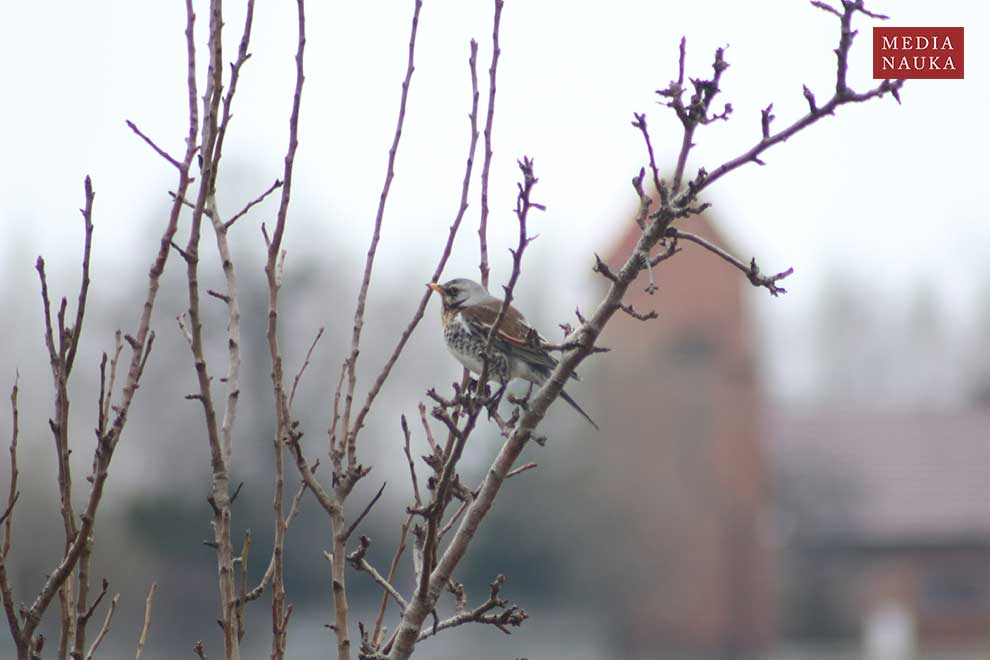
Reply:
x=494, y=400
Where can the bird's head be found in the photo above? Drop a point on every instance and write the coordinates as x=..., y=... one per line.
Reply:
x=459, y=292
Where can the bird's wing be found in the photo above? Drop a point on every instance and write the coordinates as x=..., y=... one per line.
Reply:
x=514, y=334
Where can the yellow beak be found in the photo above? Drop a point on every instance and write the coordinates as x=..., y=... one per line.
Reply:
x=436, y=287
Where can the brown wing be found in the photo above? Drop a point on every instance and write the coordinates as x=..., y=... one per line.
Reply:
x=515, y=334
x=513, y=329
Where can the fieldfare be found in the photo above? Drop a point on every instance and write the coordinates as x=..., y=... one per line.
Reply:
x=518, y=350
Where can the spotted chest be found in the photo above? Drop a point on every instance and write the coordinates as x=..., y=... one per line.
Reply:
x=467, y=345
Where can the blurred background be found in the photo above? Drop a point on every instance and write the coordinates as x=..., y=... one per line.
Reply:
x=792, y=478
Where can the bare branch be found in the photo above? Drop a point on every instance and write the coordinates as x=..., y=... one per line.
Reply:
x=429, y=432
x=76, y=330
x=428, y=589
x=256, y=593
x=658, y=184
x=302, y=369
x=751, y=271
x=650, y=315
x=441, y=264
x=284, y=430
x=151, y=143
x=147, y=622
x=6, y=593
x=486, y=166
x=375, y=237
x=696, y=111
x=357, y=521
x=602, y=267
x=510, y=616
x=358, y=561
x=522, y=468
x=409, y=460
x=379, y=630
x=242, y=599
x=105, y=628
x=141, y=343
x=843, y=95
x=235, y=73
x=12, y=493
x=254, y=202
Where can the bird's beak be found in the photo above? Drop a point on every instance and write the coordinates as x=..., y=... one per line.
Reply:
x=436, y=287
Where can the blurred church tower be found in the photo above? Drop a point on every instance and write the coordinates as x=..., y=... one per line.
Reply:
x=680, y=458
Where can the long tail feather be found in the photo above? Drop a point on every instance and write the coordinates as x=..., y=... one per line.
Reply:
x=567, y=397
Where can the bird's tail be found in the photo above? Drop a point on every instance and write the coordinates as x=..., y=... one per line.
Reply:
x=567, y=397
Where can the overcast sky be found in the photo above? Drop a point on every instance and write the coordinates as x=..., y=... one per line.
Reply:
x=890, y=194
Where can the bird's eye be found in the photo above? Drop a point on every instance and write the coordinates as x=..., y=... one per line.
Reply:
x=452, y=291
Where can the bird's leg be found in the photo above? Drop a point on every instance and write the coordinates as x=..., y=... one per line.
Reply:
x=474, y=387
x=496, y=399
x=523, y=401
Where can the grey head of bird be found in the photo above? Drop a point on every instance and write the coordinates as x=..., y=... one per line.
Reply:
x=461, y=292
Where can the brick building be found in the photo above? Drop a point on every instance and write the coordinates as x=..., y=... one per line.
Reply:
x=889, y=516
x=683, y=464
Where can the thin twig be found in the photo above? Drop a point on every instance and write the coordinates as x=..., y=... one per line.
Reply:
x=843, y=95
x=235, y=73
x=751, y=271
x=379, y=629
x=441, y=264
x=256, y=593
x=151, y=143
x=254, y=202
x=105, y=628
x=358, y=561
x=486, y=166
x=510, y=616
x=349, y=433
x=284, y=431
x=147, y=622
x=242, y=600
x=357, y=521
x=12, y=492
x=302, y=369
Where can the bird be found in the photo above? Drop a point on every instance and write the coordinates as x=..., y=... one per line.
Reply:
x=467, y=316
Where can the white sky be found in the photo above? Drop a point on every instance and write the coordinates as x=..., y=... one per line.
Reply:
x=893, y=194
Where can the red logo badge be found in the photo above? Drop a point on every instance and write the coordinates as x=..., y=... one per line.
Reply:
x=917, y=52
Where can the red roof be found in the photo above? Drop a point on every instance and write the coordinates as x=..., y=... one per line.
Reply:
x=903, y=474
